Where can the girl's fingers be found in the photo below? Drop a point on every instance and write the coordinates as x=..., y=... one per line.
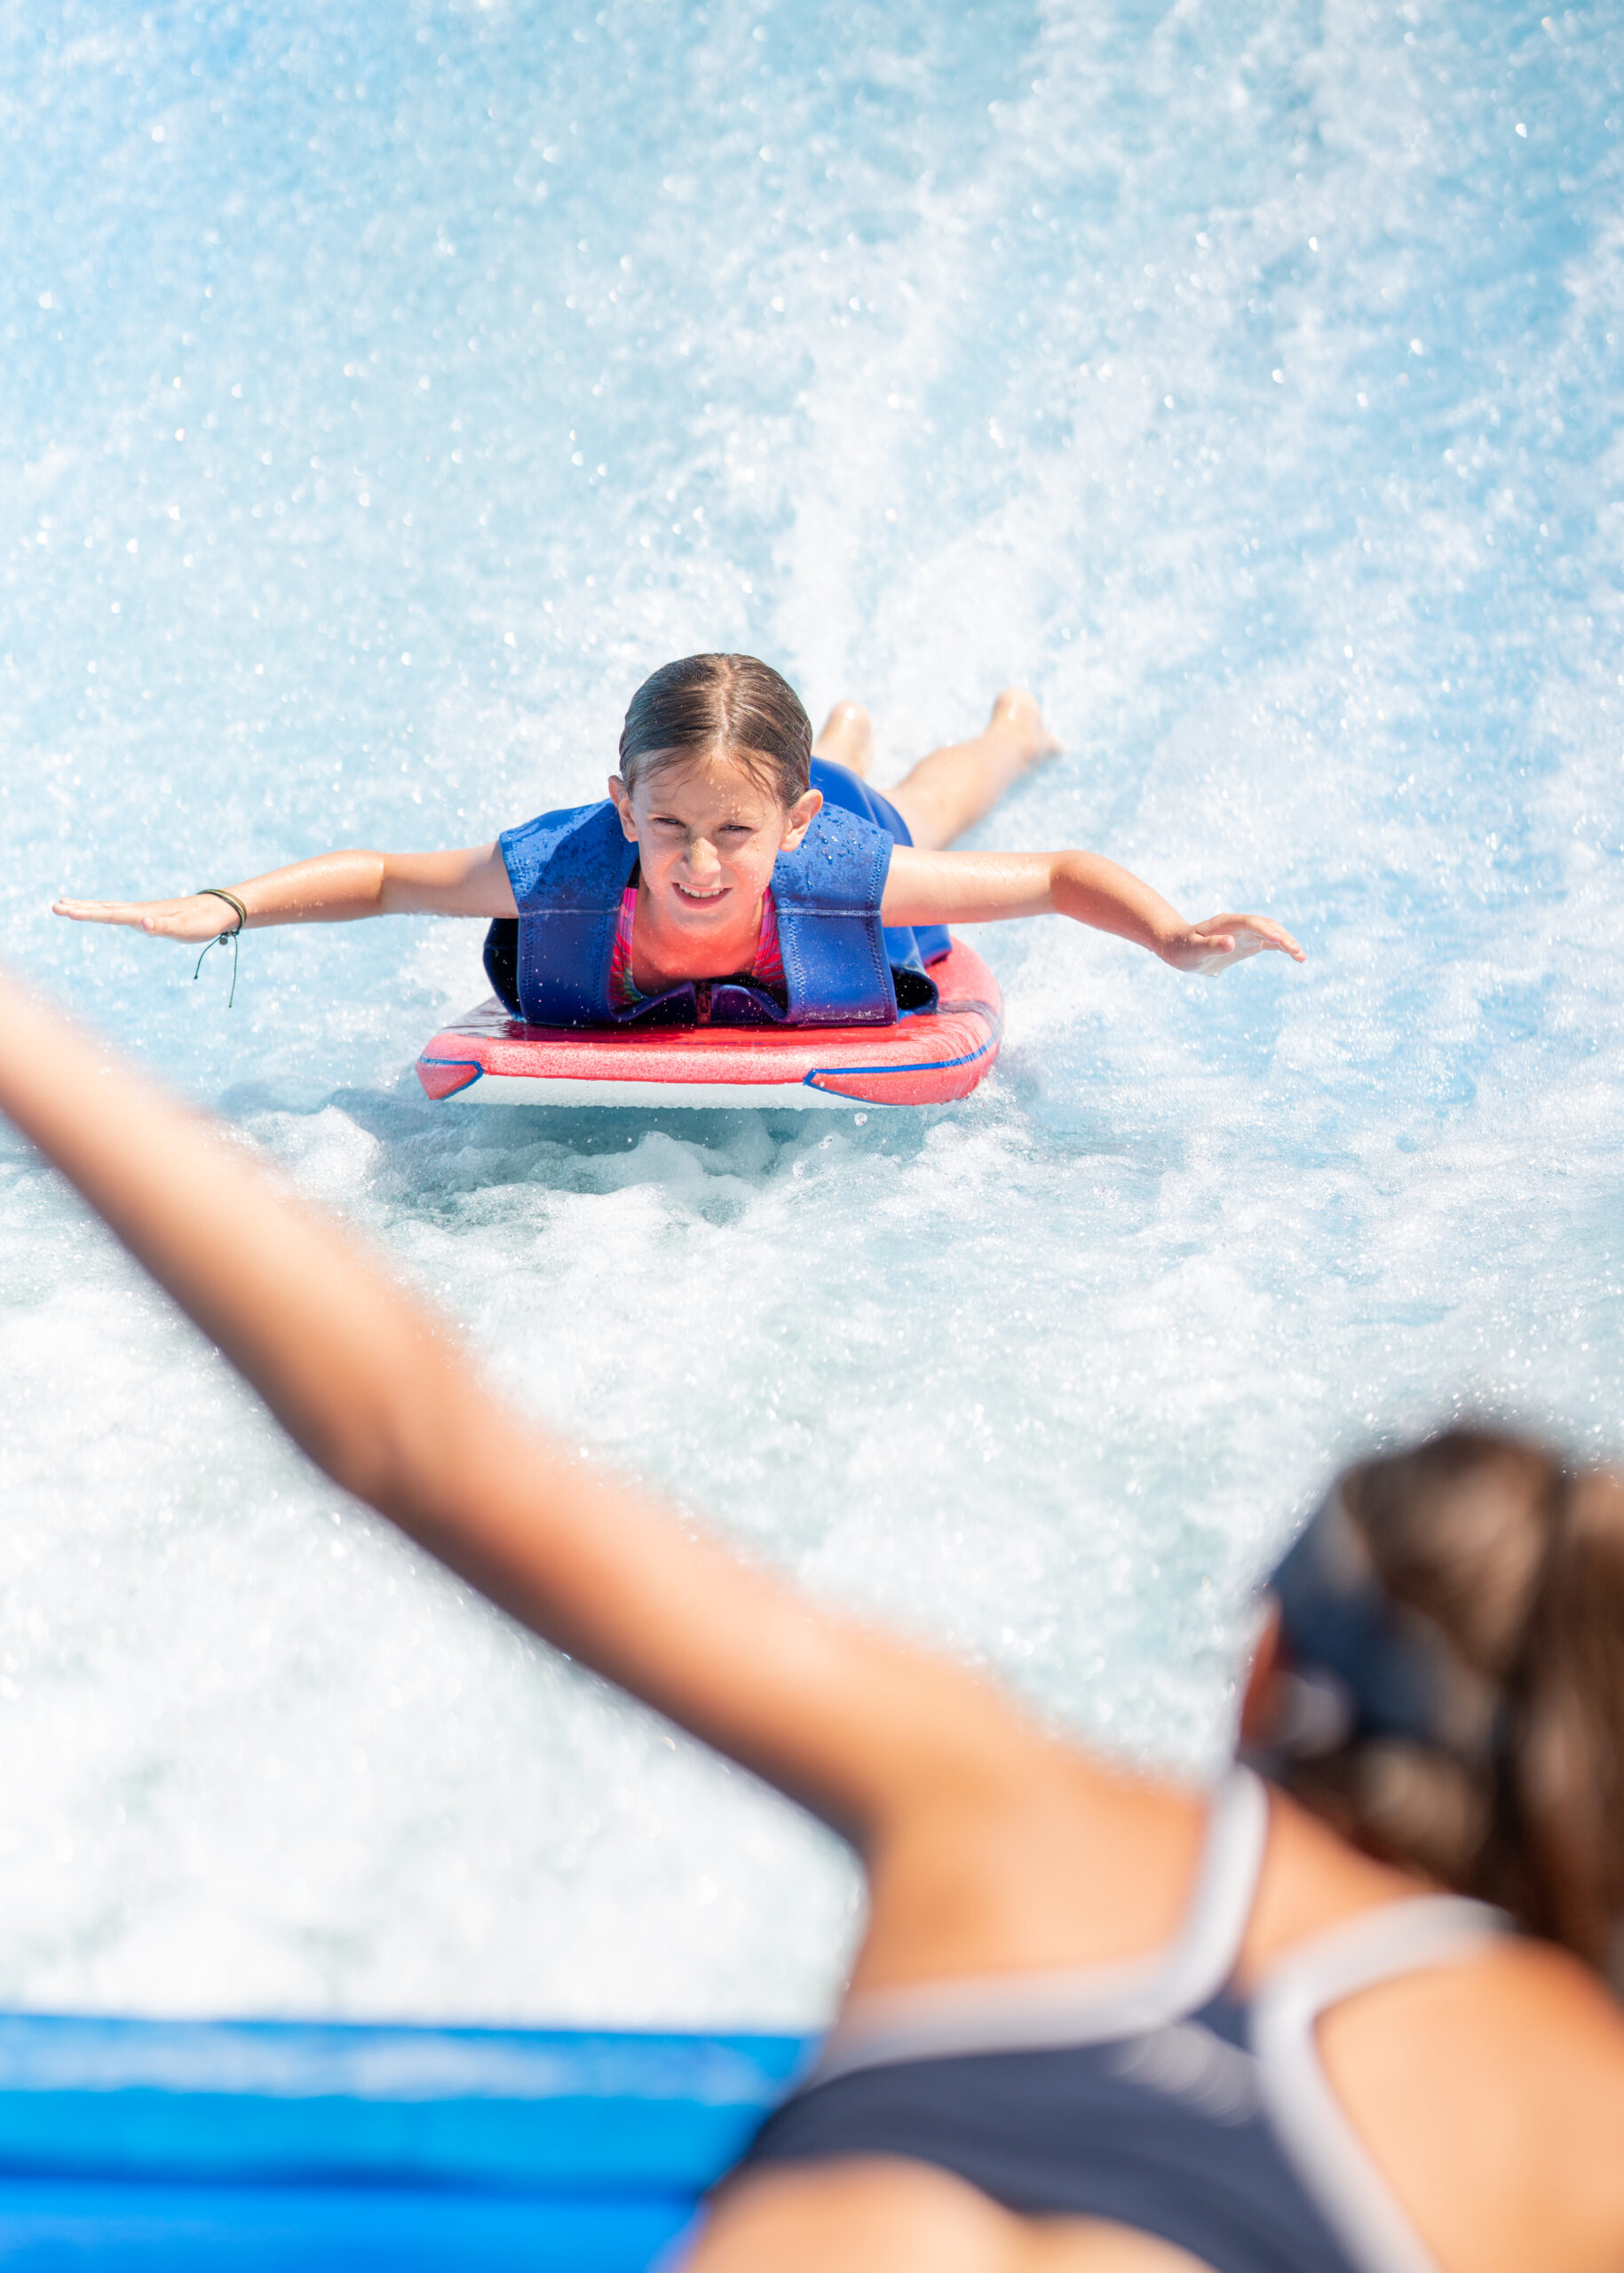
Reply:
x=1256, y=933
x=1271, y=935
x=97, y=911
x=190, y=919
x=1223, y=940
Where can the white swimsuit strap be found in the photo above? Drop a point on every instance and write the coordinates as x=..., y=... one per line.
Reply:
x=1378, y=1945
x=1091, y=2005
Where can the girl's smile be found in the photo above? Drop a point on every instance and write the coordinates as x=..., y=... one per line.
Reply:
x=706, y=834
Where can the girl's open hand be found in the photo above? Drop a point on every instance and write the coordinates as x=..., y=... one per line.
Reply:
x=1211, y=948
x=199, y=917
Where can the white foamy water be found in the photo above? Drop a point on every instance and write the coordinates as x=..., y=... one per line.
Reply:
x=386, y=391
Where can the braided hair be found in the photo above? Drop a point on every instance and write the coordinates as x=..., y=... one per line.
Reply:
x=1452, y=1639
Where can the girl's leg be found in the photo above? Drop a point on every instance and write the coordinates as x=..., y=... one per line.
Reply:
x=847, y=737
x=952, y=788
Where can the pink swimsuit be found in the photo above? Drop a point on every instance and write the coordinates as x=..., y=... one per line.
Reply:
x=767, y=971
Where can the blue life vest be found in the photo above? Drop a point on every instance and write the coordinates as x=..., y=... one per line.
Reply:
x=925, y=943
x=569, y=870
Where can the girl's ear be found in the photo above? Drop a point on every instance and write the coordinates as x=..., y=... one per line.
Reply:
x=798, y=819
x=621, y=795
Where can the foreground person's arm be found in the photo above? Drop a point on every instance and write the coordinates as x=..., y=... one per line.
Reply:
x=878, y=1738
x=333, y=888
x=990, y=887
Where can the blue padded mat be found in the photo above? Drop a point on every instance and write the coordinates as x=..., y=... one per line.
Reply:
x=143, y=2144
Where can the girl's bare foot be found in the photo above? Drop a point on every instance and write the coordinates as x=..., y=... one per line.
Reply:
x=848, y=738
x=1016, y=714
x=952, y=788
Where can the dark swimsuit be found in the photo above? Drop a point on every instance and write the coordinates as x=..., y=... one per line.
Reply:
x=1147, y=2094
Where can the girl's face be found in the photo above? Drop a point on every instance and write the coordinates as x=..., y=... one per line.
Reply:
x=707, y=836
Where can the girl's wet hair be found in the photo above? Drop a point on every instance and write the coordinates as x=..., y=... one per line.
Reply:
x=1467, y=1598
x=731, y=705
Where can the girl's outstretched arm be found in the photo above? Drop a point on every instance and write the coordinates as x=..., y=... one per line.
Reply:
x=333, y=888
x=904, y=1752
x=987, y=887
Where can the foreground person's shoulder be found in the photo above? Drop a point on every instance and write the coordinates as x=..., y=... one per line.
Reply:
x=1558, y=2017
x=1490, y=2093
x=1528, y=2044
x=1559, y=2032
x=1537, y=2018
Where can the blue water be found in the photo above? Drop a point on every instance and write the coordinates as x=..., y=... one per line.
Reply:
x=384, y=390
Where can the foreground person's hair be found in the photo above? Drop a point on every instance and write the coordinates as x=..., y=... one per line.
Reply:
x=731, y=703
x=1486, y=1749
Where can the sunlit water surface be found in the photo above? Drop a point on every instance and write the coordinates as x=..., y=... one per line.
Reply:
x=386, y=391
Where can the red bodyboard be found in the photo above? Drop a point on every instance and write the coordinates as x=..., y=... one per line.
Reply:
x=929, y=1059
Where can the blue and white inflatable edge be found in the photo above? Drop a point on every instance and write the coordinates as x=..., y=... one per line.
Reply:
x=134, y=2144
